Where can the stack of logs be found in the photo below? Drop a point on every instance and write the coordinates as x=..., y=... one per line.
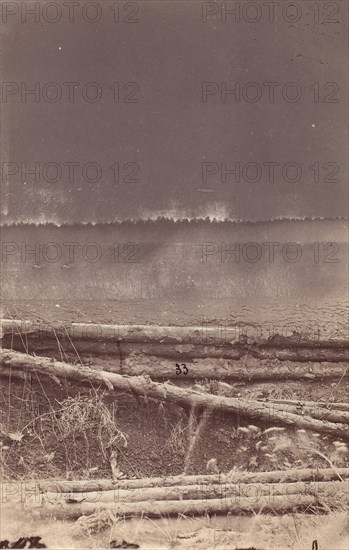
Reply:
x=236, y=494
x=316, y=417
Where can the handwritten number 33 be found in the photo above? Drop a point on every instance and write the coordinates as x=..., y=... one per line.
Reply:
x=179, y=370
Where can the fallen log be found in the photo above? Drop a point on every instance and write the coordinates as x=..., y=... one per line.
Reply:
x=168, y=393
x=321, y=413
x=18, y=375
x=195, y=492
x=245, y=369
x=304, y=354
x=314, y=412
x=330, y=405
x=205, y=333
x=338, y=353
x=237, y=505
x=85, y=486
x=175, y=352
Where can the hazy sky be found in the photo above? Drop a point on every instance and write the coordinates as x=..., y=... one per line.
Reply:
x=167, y=144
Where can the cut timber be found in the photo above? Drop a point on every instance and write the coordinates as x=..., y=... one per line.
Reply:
x=168, y=393
x=20, y=375
x=175, y=342
x=232, y=351
x=277, y=476
x=113, y=349
x=245, y=369
x=321, y=497
x=197, y=492
x=315, y=412
x=301, y=354
x=329, y=405
x=204, y=334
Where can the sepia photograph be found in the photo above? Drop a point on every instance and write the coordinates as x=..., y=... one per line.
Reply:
x=174, y=280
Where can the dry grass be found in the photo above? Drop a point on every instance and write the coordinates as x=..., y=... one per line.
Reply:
x=263, y=532
x=88, y=413
x=178, y=440
x=79, y=432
